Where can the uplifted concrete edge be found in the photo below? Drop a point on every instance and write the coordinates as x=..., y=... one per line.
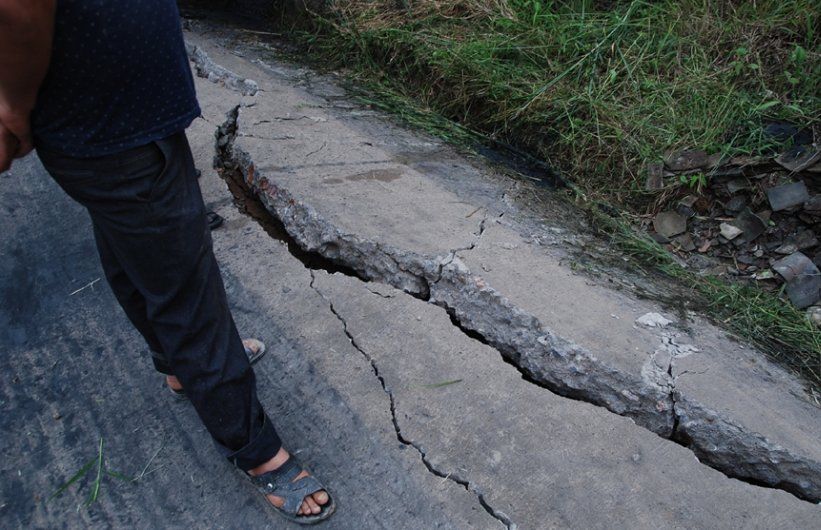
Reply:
x=548, y=360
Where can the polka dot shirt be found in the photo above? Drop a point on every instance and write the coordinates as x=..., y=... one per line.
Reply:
x=119, y=78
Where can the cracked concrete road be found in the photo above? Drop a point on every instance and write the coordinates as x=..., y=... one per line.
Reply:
x=403, y=209
x=411, y=422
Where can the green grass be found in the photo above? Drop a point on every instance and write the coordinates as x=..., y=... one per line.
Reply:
x=597, y=88
x=99, y=470
x=97, y=466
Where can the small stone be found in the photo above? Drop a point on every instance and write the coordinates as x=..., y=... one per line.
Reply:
x=686, y=160
x=750, y=224
x=746, y=259
x=765, y=215
x=786, y=249
x=655, y=176
x=787, y=196
x=736, y=204
x=749, y=161
x=758, y=253
x=805, y=239
x=803, y=279
x=715, y=160
x=669, y=224
x=703, y=205
x=791, y=266
x=737, y=185
x=814, y=315
x=809, y=218
x=700, y=262
x=56, y=415
x=689, y=201
x=685, y=242
x=729, y=231
x=653, y=320
x=766, y=274
x=799, y=158
x=813, y=205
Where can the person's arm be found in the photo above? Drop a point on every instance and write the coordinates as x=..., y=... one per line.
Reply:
x=26, y=33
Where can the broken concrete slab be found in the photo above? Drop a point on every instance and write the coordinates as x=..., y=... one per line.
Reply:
x=493, y=305
x=536, y=455
x=215, y=73
x=788, y=196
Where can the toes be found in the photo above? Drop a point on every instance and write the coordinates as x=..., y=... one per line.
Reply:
x=279, y=502
x=321, y=497
x=173, y=383
x=252, y=345
x=312, y=505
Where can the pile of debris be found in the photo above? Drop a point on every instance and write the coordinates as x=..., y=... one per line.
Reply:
x=756, y=218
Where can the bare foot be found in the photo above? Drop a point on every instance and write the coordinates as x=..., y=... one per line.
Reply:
x=311, y=505
x=173, y=383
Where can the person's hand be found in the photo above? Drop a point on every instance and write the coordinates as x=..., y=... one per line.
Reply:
x=9, y=147
x=19, y=125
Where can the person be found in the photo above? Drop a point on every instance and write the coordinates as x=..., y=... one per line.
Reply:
x=104, y=92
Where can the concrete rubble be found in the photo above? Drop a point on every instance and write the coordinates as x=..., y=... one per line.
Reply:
x=746, y=211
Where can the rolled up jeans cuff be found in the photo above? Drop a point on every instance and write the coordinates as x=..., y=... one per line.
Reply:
x=262, y=447
x=161, y=364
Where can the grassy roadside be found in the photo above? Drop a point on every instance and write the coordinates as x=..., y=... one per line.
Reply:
x=597, y=88
x=599, y=93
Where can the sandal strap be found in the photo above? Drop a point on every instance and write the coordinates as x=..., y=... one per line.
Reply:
x=280, y=482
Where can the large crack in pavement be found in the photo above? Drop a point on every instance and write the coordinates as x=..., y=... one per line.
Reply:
x=481, y=312
x=445, y=475
x=542, y=357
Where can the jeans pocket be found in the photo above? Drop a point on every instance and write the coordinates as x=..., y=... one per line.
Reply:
x=154, y=169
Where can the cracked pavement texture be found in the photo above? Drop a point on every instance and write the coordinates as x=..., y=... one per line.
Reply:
x=544, y=460
x=397, y=448
x=74, y=372
x=404, y=209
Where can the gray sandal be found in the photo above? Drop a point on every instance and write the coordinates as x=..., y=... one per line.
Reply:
x=280, y=482
x=253, y=356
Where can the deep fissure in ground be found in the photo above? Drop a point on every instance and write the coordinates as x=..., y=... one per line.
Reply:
x=247, y=202
x=232, y=170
